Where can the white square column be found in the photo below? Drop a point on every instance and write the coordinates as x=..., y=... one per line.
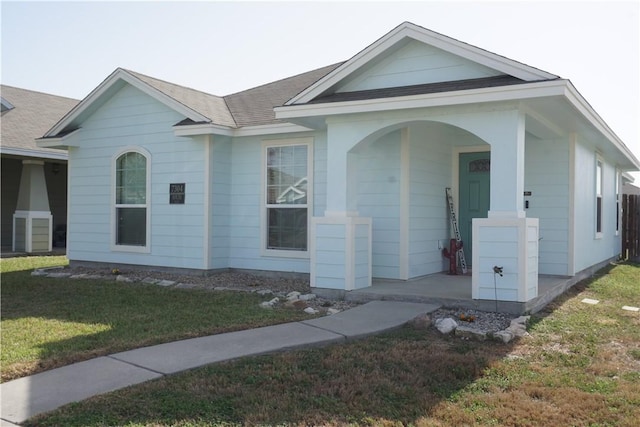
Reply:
x=340, y=252
x=32, y=220
x=507, y=240
x=32, y=231
x=509, y=243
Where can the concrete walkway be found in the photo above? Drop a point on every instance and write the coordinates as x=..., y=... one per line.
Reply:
x=29, y=396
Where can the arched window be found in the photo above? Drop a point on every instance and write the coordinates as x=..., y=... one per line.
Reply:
x=131, y=181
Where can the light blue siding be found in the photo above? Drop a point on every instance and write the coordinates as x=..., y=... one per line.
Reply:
x=378, y=197
x=415, y=63
x=133, y=119
x=220, y=202
x=547, y=178
x=589, y=248
x=430, y=157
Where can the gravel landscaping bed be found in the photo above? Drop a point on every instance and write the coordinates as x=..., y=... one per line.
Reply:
x=477, y=320
x=270, y=287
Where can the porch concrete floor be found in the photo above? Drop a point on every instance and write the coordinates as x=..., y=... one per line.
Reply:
x=455, y=292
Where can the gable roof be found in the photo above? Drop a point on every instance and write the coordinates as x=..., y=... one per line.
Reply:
x=210, y=106
x=26, y=116
x=406, y=31
x=247, y=108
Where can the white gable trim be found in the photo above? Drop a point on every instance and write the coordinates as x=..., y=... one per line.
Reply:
x=407, y=29
x=122, y=75
x=585, y=109
x=56, y=142
x=211, y=129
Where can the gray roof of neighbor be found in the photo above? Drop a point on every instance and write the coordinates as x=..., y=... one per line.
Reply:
x=33, y=114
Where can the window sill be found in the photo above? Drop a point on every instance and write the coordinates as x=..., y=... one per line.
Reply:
x=130, y=249
x=275, y=253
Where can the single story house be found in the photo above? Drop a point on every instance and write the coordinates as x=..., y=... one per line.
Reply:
x=34, y=179
x=341, y=172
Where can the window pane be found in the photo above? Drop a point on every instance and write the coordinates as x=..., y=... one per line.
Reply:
x=599, y=214
x=287, y=175
x=131, y=179
x=287, y=228
x=132, y=226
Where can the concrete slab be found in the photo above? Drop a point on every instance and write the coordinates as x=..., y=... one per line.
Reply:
x=629, y=308
x=590, y=301
x=178, y=356
x=370, y=318
x=29, y=396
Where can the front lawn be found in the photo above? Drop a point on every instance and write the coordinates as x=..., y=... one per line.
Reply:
x=580, y=366
x=48, y=322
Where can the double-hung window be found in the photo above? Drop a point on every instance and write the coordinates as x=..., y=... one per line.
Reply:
x=287, y=197
x=599, y=186
x=131, y=201
x=618, y=210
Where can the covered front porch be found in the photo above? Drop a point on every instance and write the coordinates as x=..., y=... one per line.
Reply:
x=455, y=292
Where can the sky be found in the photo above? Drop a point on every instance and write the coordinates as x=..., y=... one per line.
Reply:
x=68, y=48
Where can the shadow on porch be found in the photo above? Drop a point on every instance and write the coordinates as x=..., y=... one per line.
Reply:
x=455, y=292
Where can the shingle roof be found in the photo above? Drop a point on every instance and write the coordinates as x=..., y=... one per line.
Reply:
x=211, y=106
x=255, y=106
x=34, y=113
x=247, y=108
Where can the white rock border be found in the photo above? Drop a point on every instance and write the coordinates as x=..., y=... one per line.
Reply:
x=517, y=328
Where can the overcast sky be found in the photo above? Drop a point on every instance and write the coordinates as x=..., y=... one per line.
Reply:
x=68, y=48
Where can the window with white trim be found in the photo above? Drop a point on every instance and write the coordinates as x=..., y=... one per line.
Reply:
x=618, y=202
x=287, y=196
x=131, y=183
x=599, y=178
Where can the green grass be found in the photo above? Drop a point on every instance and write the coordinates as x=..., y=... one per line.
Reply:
x=579, y=367
x=48, y=322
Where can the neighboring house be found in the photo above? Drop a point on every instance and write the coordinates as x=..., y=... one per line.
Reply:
x=627, y=185
x=341, y=172
x=34, y=179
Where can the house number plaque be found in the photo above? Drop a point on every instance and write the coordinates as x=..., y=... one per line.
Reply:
x=176, y=194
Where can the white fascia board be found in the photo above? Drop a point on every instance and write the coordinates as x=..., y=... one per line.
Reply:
x=201, y=129
x=23, y=152
x=627, y=177
x=56, y=142
x=271, y=129
x=472, y=53
x=209, y=129
x=494, y=94
x=587, y=111
x=102, y=88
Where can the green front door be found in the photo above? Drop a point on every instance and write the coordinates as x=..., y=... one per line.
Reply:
x=473, y=197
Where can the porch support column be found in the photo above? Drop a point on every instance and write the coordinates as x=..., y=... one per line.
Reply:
x=507, y=239
x=32, y=220
x=340, y=241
